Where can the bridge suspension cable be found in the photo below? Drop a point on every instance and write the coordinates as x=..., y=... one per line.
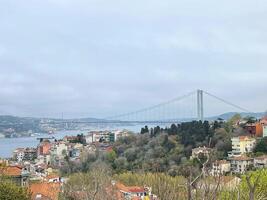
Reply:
x=226, y=102
x=151, y=108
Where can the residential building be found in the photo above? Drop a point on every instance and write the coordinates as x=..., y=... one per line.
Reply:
x=105, y=136
x=264, y=126
x=18, y=154
x=242, y=145
x=254, y=129
x=43, y=159
x=59, y=149
x=17, y=174
x=133, y=192
x=30, y=154
x=200, y=150
x=260, y=162
x=98, y=136
x=45, y=191
x=24, y=154
x=75, y=150
x=264, y=120
x=118, y=134
x=220, y=167
x=44, y=148
x=241, y=164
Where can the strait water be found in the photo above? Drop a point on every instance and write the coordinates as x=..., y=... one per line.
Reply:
x=8, y=145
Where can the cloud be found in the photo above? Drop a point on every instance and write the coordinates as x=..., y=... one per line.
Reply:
x=99, y=57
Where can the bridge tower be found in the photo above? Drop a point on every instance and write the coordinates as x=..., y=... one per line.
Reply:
x=200, y=107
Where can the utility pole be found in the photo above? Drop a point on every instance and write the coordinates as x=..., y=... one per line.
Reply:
x=200, y=107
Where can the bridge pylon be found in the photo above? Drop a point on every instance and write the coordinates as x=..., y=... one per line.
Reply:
x=200, y=106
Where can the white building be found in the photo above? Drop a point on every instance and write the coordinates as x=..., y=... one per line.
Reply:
x=120, y=134
x=241, y=164
x=18, y=154
x=220, y=167
x=200, y=150
x=59, y=149
x=264, y=126
x=105, y=136
x=260, y=162
x=97, y=136
x=242, y=145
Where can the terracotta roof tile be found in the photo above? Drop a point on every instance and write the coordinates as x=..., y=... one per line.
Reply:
x=11, y=171
x=241, y=158
x=47, y=190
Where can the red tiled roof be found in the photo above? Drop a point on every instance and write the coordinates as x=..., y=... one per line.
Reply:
x=221, y=162
x=47, y=190
x=11, y=171
x=244, y=137
x=241, y=158
x=263, y=157
x=131, y=189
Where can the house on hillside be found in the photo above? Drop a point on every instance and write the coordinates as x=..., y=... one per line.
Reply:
x=242, y=145
x=254, y=129
x=260, y=162
x=220, y=167
x=133, y=192
x=241, y=164
x=200, y=150
x=264, y=126
x=44, y=148
x=17, y=174
x=45, y=191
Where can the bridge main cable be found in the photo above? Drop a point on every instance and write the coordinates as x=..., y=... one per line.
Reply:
x=226, y=102
x=152, y=107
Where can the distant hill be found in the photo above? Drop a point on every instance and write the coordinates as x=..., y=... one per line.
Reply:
x=25, y=124
x=229, y=115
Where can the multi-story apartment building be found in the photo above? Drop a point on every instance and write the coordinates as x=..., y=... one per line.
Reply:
x=242, y=145
x=30, y=154
x=98, y=136
x=59, y=149
x=44, y=148
x=18, y=154
x=105, y=136
x=264, y=126
x=240, y=164
x=264, y=130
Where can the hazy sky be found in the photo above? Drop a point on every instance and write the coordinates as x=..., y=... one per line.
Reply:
x=98, y=57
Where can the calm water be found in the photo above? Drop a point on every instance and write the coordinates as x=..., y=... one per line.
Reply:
x=7, y=145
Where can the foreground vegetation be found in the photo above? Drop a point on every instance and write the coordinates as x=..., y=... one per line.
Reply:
x=95, y=182
x=160, y=150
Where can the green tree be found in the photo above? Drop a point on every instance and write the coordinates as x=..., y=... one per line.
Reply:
x=111, y=156
x=9, y=191
x=261, y=146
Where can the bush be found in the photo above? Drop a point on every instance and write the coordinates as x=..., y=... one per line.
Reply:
x=10, y=191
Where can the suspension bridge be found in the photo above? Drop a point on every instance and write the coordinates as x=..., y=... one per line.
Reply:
x=184, y=108
x=188, y=107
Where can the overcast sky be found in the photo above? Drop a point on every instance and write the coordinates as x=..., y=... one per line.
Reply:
x=95, y=58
